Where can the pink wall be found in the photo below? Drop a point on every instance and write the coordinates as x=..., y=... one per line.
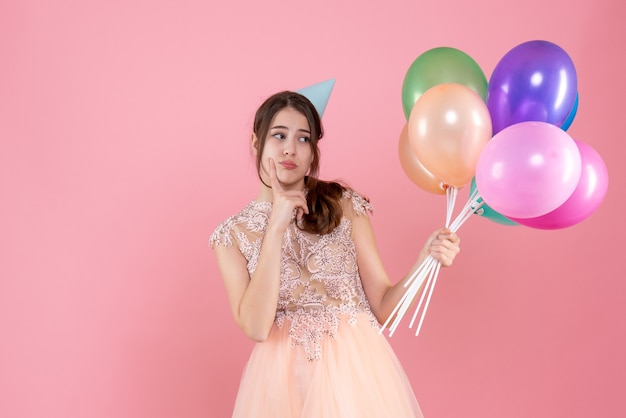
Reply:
x=124, y=128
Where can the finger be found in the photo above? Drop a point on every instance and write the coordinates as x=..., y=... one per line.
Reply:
x=444, y=258
x=445, y=245
x=304, y=205
x=437, y=256
x=274, y=177
x=451, y=236
x=301, y=207
x=444, y=232
x=448, y=236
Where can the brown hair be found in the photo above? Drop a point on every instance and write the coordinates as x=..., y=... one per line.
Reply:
x=323, y=197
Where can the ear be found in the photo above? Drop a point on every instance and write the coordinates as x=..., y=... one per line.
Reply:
x=254, y=141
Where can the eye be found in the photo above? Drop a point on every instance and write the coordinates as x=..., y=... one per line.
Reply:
x=304, y=139
x=278, y=135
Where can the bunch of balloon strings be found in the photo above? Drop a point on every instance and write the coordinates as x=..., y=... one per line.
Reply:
x=428, y=270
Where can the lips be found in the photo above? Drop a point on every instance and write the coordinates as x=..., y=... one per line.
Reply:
x=289, y=165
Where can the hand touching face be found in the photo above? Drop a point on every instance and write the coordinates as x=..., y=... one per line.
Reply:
x=285, y=202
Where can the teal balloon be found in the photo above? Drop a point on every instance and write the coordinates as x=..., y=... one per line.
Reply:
x=486, y=212
x=441, y=65
x=571, y=116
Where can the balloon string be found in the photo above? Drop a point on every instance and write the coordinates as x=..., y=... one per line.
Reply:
x=428, y=270
x=430, y=293
x=402, y=312
x=407, y=295
x=419, y=305
x=425, y=265
x=416, y=280
x=470, y=207
x=451, y=193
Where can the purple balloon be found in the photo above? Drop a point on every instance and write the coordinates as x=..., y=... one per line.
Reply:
x=587, y=197
x=528, y=169
x=535, y=81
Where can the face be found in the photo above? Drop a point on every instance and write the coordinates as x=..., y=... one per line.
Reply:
x=288, y=144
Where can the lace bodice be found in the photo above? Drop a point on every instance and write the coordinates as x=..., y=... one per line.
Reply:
x=320, y=279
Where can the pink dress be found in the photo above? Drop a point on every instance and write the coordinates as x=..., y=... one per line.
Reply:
x=324, y=356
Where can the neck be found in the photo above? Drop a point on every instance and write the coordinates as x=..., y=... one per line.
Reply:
x=266, y=194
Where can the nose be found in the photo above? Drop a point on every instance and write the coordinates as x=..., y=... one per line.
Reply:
x=290, y=148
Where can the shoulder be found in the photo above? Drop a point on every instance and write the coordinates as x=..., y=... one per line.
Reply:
x=252, y=217
x=355, y=202
x=222, y=234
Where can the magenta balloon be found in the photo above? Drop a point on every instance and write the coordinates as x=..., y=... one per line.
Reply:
x=587, y=197
x=528, y=169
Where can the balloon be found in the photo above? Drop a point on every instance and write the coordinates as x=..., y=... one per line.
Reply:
x=414, y=169
x=438, y=66
x=486, y=212
x=571, y=116
x=535, y=81
x=448, y=127
x=587, y=196
x=528, y=169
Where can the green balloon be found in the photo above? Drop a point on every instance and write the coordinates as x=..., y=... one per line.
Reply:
x=486, y=212
x=438, y=66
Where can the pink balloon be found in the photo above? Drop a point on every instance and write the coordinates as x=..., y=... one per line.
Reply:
x=587, y=197
x=528, y=169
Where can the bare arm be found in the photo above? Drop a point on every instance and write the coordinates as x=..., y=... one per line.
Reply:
x=383, y=296
x=253, y=299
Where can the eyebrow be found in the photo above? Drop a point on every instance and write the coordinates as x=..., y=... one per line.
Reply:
x=284, y=127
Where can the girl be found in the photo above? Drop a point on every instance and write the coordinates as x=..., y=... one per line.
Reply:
x=305, y=280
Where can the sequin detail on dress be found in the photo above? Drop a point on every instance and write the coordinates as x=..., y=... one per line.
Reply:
x=320, y=280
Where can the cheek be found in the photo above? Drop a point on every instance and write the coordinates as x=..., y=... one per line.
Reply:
x=265, y=154
x=268, y=150
x=311, y=156
x=264, y=167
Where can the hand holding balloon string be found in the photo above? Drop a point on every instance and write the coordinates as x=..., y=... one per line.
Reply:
x=429, y=269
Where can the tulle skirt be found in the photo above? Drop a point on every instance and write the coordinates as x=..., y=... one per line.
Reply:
x=358, y=376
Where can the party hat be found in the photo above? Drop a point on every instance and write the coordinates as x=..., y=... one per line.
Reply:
x=318, y=94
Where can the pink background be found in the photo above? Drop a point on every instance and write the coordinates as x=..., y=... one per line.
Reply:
x=124, y=131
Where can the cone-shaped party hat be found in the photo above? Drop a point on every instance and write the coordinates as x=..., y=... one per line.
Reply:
x=318, y=94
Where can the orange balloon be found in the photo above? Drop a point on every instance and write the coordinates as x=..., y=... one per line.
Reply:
x=414, y=169
x=448, y=127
